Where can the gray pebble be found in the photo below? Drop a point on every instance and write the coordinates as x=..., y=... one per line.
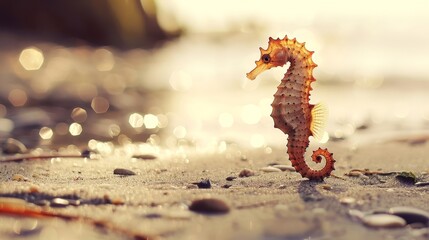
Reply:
x=284, y=167
x=411, y=214
x=383, y=221
x=209, y=205
x=123, y=172
x=270, y=169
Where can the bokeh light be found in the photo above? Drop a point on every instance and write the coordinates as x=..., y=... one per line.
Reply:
x=179, y=132
x=136, y=120
x=61, y=128
x=257, y=140
x=31, y=58
x=46, y=133
x=150, y=121
x=79, y=115
x=75, y=129
x=18, y=97
x=114, y=130
x=104, y=60
x=100, y=104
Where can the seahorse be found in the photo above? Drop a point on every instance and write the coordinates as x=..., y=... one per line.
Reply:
x=292, y=112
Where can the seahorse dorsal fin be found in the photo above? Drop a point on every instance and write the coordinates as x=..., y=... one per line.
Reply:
x=319, y=117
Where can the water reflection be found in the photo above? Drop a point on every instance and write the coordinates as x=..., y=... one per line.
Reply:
x=193, y=92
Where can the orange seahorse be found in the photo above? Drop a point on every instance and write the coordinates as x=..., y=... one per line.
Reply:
x=292, y=111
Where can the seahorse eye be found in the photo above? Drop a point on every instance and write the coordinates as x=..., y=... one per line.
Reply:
x=266, y=58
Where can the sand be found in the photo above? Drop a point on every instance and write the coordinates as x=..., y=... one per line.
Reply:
x=267, y=205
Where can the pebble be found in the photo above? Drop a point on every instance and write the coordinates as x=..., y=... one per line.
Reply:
x=123, y=172
x=74, y=202
x=13, y=146
x=383, y=221
x=19, y=177
x=59, y=202
x=209, y=205
x=246, y=173
x=145, y=156
x=270, y=169
x=411, y=214
x=326, y=187
x=230, y=178
x=226, y=186
x=347, y=200
x=204, y=184
x=421, y=184
x=356, y=214
x=284, y=167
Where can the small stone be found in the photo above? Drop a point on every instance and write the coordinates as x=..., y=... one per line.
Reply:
x=230, y=178
x=123, y=172
x=421, y=184
x=209, y=205
x=347, y=200
x=226, y=186
x=204, y=184
x=383, y=221
x=246, y=173
x=270, y=169
x=74, y=202
x=356, y=214
x=19, y=177
x=411, y=214
x=284, y=167
x=13, y=146
x=326, y=187
x=59, y=202
x=145, y=156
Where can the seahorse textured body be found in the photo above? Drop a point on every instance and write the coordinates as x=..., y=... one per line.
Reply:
x=292, y=113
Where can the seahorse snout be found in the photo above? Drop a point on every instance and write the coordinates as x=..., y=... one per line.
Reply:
x=257, y=70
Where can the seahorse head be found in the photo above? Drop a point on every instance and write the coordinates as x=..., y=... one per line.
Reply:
x=274, y=56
